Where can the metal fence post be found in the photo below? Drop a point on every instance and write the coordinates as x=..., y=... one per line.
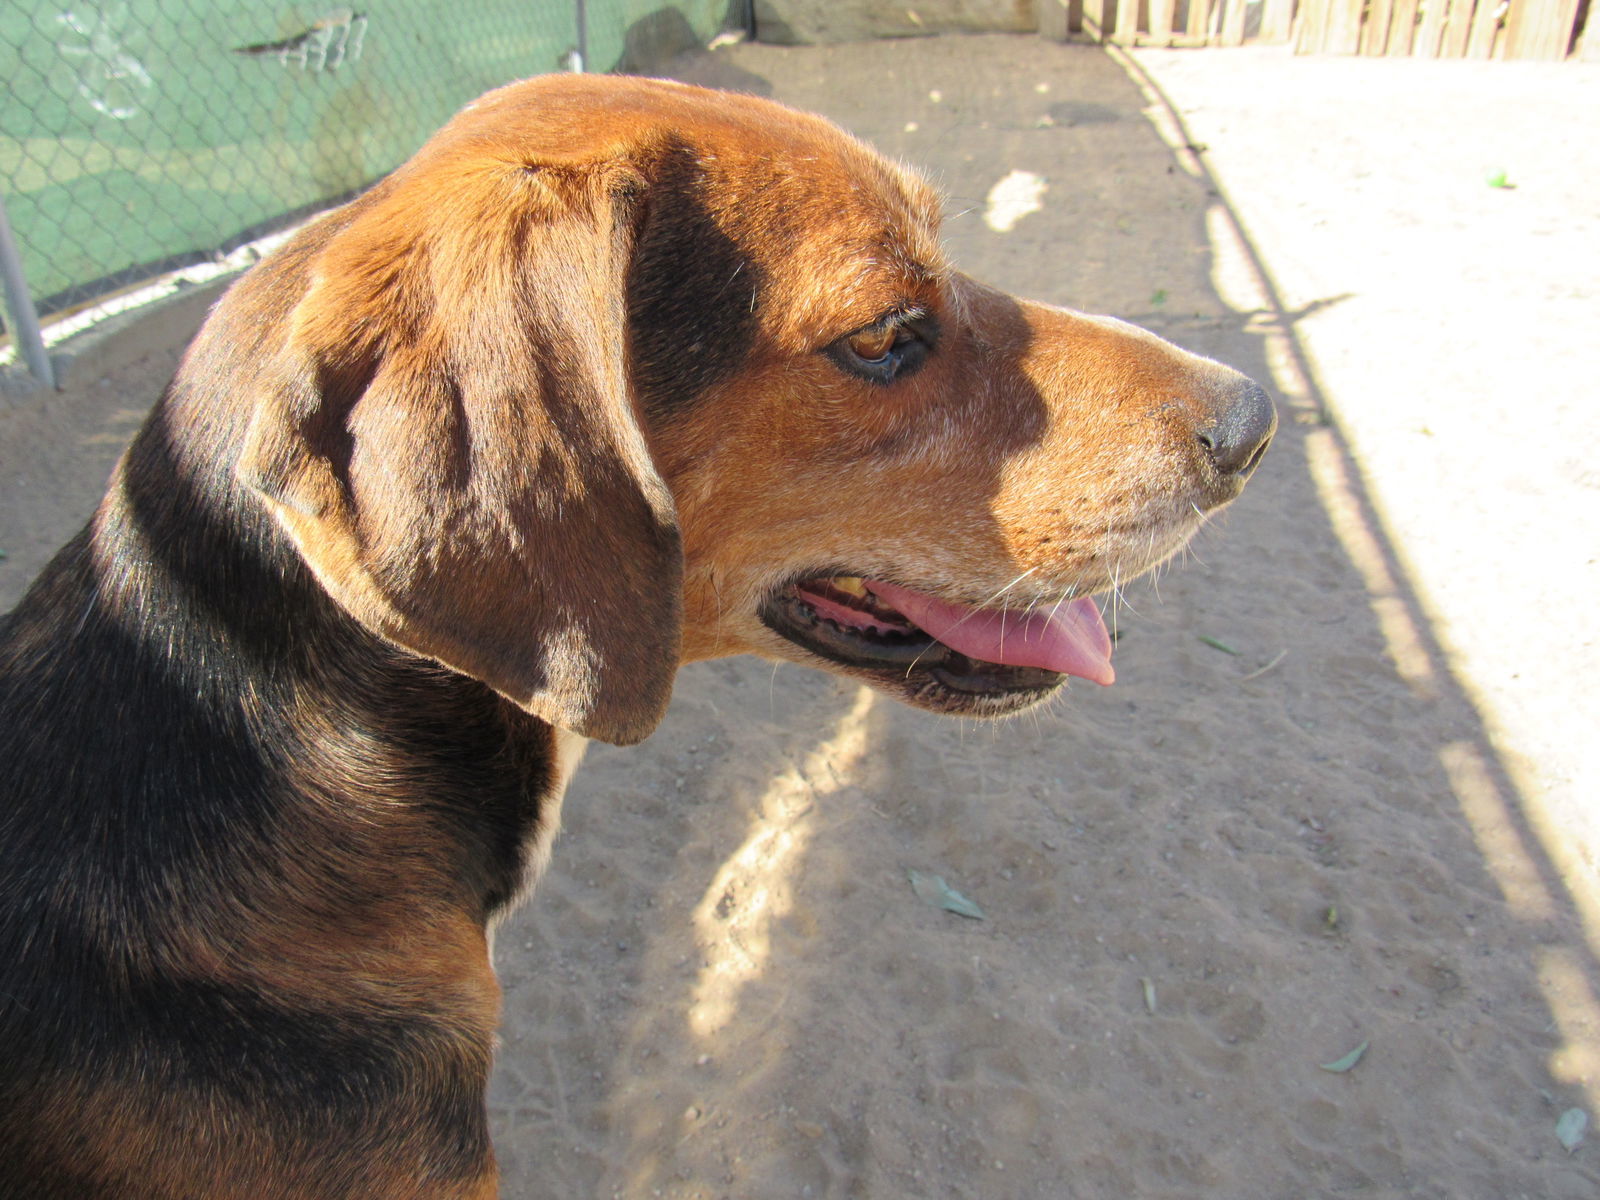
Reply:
x=19, y=305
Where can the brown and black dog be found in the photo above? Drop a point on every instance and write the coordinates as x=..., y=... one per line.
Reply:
x=612, y=376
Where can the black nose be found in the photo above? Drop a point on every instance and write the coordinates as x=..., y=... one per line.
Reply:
x=1237, y=435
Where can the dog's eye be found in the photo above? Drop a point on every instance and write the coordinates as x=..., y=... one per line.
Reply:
x=874, y=345
x=886, y=351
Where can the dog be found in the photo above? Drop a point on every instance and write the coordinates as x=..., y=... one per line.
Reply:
x=613, y=375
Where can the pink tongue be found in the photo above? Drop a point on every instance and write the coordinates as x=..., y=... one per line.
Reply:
x=1068, y=638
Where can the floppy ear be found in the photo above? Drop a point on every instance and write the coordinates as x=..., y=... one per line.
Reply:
x=451, y=441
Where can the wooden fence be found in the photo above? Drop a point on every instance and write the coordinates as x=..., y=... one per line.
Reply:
x=1521, y=29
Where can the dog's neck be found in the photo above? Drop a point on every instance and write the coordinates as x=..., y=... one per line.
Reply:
x=301, y=761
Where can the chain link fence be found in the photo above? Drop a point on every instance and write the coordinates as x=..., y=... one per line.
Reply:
x=139, y=136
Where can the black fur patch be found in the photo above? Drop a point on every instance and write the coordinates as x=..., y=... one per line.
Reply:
x=692, y=293
x=145, y=787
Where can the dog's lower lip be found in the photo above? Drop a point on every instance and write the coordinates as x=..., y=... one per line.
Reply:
x=962, y=674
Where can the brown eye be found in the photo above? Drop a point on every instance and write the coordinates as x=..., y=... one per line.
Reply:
x=872, y=345
x=890, y=349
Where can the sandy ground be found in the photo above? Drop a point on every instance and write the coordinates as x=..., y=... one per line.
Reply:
x=1361, y=823
x=1368, y=196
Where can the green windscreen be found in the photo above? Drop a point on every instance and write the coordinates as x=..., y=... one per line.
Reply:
x=136, y=135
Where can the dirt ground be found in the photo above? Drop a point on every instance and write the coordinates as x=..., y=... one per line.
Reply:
x=1342, y=794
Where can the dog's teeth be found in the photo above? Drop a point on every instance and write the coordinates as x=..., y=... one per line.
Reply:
x=850, y=585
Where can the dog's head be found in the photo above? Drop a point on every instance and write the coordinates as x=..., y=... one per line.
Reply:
x=616, y=374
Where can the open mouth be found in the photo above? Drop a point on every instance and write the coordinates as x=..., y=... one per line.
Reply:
x=923, y=643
